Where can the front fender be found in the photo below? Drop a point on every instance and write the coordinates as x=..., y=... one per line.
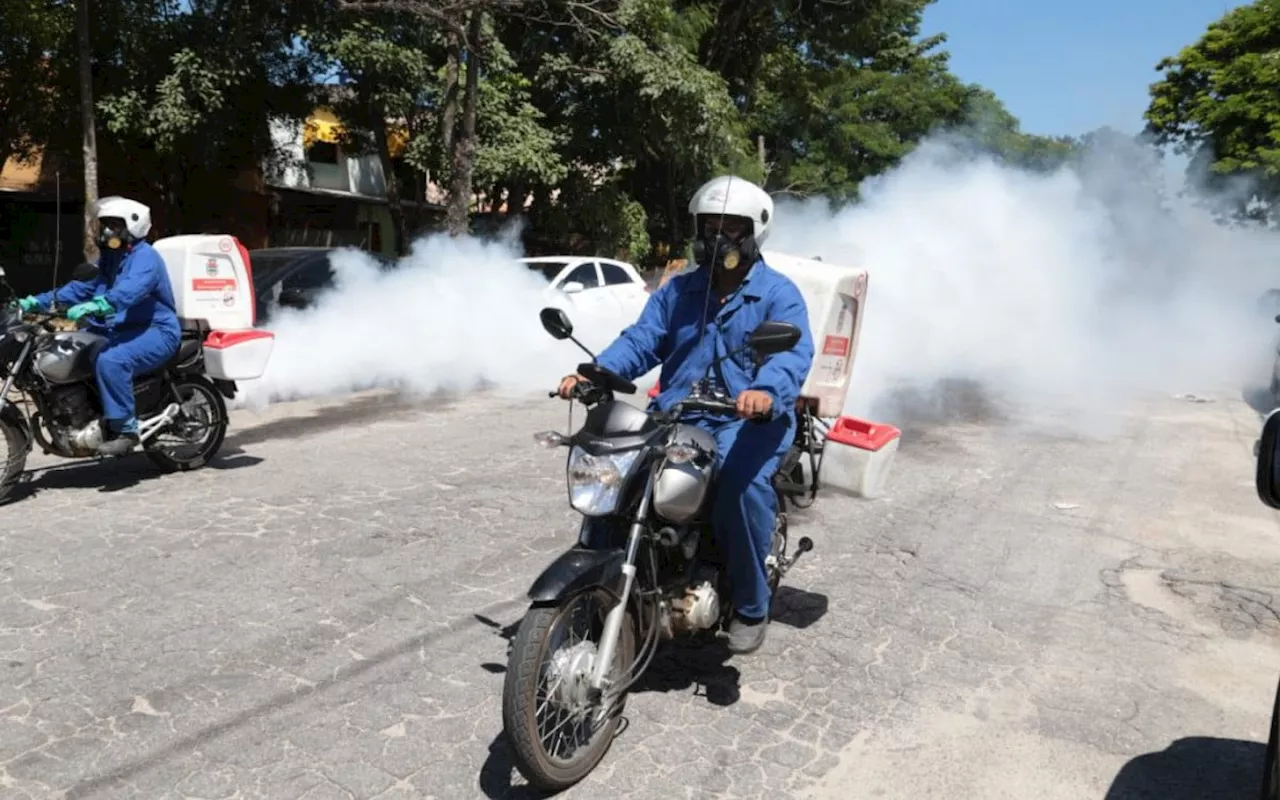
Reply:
x=13, y=417
x=577, y=569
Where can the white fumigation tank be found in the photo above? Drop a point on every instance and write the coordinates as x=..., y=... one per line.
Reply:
x=213, y=289
x=834, y=295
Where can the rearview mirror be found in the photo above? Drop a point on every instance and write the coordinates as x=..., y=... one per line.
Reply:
x=85, y=272
x=572, y=287
x=556, y=322
x=773, y=337
x=1268, y=468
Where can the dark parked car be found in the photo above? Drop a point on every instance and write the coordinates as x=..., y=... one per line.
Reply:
x=293, y=276
x=1267, y=481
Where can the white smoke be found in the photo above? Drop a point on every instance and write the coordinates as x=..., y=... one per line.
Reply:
x=454, y=315
x=1072, y=292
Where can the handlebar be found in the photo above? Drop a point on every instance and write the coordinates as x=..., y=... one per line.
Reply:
x=716, y=407
x=587, y=392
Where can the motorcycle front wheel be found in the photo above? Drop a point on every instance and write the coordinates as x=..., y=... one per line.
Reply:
x=557, y=735
x=13, y=458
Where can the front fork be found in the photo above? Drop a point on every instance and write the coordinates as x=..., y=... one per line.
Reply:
x=613, y=621
x=18, y=363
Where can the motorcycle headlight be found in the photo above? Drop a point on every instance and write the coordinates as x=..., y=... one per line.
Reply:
x=595, y=482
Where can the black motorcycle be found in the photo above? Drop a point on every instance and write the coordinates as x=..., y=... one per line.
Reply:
x=646, y=567
x=53, y=370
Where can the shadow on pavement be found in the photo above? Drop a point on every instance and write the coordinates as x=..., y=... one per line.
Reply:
x=1194, y=768
x=797, y=608
x=119, y=775
x=354, y=412
x=496, y=774
x=107, y=476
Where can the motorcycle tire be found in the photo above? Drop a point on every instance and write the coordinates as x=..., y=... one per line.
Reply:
x=15, y=459
x=217, y=429
x=520, y=701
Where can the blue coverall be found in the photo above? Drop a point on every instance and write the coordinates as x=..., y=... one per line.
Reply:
x=667, y=332
x=143, y=334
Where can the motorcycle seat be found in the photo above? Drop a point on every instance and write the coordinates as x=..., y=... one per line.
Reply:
x=188, y=347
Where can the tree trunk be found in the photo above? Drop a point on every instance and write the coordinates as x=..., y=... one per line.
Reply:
x=449, y=114
x=89, y=125
x=394, y=204
x=465, y=147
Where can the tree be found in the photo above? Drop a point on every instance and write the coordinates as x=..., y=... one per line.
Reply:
x=991, y=129
x=386, y=63
x=1219, y=99
x=88, y=124
x=32, y=32
x=469, y=30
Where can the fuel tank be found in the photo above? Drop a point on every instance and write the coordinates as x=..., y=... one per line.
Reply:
x=680, y=491
x=68, y=357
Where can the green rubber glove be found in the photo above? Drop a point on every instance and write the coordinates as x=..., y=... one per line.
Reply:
x=97, y=305
x=27, y=303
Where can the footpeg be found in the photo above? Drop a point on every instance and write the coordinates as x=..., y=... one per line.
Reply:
x=803, y=546
x=150, y=427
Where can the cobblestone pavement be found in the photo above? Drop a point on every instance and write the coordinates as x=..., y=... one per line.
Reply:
x=322, y=614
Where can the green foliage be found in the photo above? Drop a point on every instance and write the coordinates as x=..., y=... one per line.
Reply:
x=991, y=129
x=608, y=119
x=32, y=32
x=1219, y=99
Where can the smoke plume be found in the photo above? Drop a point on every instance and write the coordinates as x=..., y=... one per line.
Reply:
x=1072, y=293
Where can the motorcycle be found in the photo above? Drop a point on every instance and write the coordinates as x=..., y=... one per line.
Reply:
x=646, y=567
x=54, y=370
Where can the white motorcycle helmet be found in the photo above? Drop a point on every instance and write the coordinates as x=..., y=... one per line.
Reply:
x=732, y=199
x=133, y=226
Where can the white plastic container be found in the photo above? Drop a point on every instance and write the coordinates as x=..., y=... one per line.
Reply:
x=857, y=456
x=834, y=295
x=212, y=279
x=238, y=355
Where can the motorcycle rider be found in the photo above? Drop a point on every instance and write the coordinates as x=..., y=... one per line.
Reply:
x=134, y=297
x=697, y=317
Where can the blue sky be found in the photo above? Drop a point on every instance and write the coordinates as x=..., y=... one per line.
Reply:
x=1068, y=68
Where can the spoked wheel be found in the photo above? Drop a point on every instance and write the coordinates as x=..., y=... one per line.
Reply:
x=557, y=734
x=801, y=474
x=195, y=436
x=13, y=457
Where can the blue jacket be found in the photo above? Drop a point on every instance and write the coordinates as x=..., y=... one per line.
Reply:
x=135, y=283
x=667, y=333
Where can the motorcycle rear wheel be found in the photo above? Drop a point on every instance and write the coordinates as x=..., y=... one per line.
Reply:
x=214, y=430
x=525, y=703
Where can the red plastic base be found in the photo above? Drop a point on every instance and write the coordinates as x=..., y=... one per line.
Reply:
x=862, y=434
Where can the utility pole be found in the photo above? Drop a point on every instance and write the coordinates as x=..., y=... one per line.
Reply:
x=88, y=123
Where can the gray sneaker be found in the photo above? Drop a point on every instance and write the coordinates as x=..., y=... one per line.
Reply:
x=119, y=446
x=746, y=636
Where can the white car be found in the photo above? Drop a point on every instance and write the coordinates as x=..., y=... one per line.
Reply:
x=603, y=288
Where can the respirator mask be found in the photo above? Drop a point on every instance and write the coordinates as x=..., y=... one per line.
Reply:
x=113, y=234
x=718, y=248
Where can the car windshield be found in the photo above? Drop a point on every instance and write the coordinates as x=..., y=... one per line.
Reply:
x=548, y=269
x=266, y=263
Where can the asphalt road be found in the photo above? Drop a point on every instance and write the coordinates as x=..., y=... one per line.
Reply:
x=323, y=613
